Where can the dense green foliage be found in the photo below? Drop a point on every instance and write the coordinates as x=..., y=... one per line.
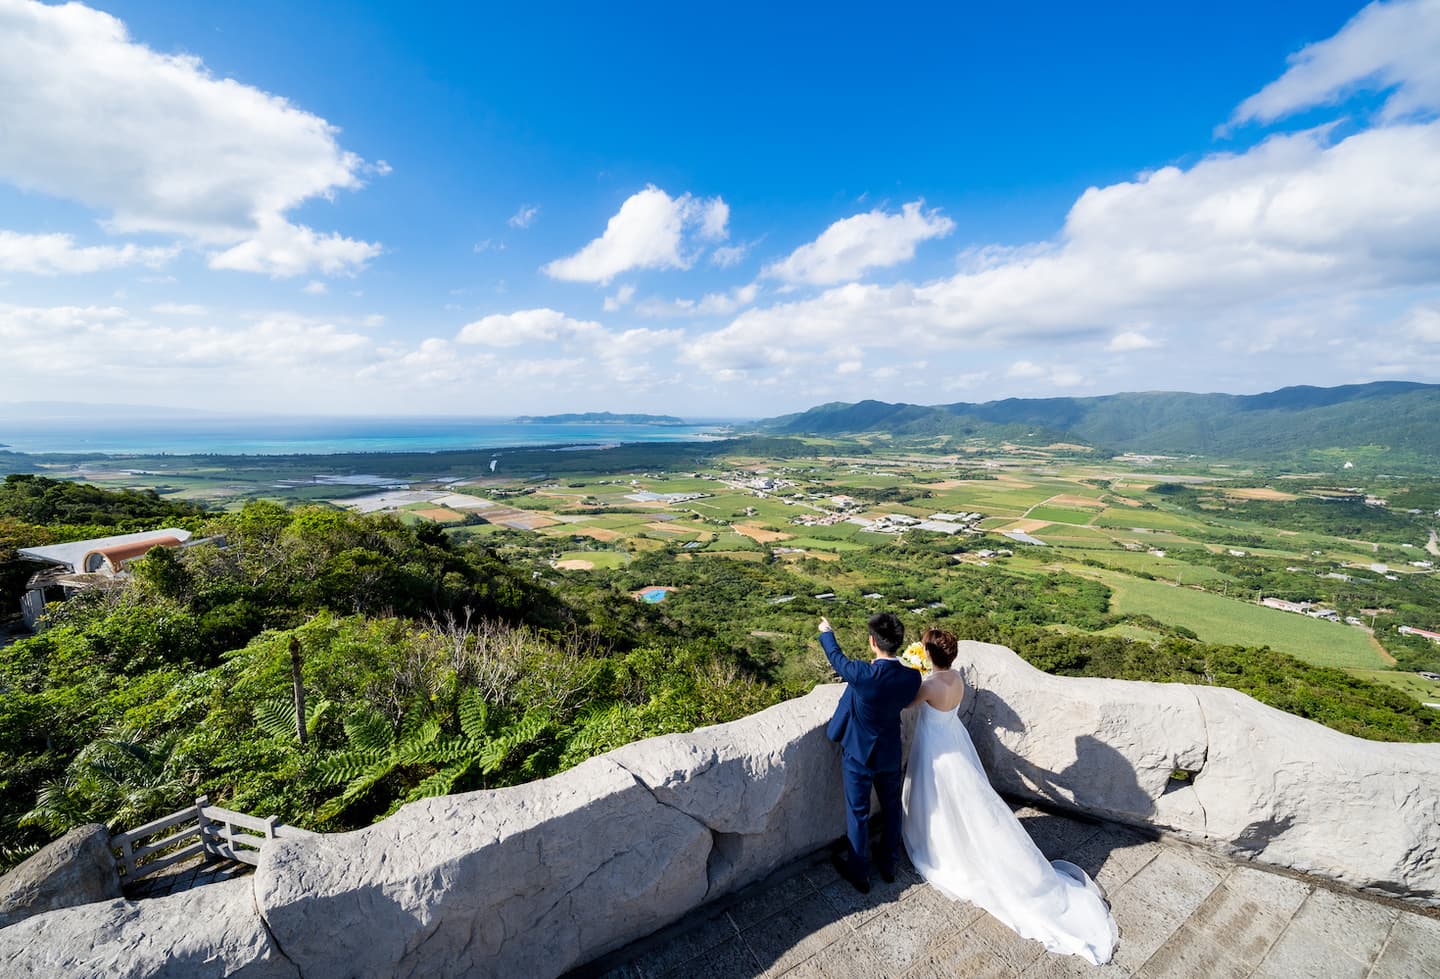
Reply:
x=428, y=667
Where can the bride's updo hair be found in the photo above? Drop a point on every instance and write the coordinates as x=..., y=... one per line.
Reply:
x=940, y=646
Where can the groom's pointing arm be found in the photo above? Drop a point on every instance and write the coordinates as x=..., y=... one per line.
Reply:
x=848, y=669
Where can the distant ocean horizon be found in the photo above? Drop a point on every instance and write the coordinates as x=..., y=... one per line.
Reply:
x=324, y=436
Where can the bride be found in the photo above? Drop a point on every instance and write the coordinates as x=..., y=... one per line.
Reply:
x=966, y=842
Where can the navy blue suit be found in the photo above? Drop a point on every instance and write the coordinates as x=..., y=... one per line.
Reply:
x=867, y=726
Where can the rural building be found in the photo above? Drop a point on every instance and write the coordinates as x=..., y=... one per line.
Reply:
x=1284, y=606
x=1422, y=633
x=83, y=564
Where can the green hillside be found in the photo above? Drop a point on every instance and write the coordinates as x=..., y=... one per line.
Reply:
x=1397, y=421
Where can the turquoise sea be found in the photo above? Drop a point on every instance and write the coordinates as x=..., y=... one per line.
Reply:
x=323, y=436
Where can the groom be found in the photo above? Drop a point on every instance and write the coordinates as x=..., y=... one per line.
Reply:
x=867, y=726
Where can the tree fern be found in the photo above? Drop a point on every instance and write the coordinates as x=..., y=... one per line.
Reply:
x=276, y=716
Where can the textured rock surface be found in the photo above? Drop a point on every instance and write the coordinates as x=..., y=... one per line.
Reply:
x=767, y=787
x=1294, y=793
x=523, y=881
x=209, y=932
x=76, y=869
x=1267, y=784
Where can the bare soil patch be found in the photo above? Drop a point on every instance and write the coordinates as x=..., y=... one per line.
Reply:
x=439, y=515
x=760, y=534
x=575, y=564
x=517, y=519
x=602, y=534
x=1066, y=499
x=802, y=555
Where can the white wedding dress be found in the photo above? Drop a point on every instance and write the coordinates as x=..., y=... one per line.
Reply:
x=965, y=841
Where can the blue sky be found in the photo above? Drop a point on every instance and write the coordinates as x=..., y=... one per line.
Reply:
x=348, y=208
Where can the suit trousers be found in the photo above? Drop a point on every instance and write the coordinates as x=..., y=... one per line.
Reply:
x=858, y=780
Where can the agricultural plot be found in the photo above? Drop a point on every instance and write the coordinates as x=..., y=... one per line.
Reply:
x=1167, y=567
x=820, y=544
x=590, y=560
x=1066, y=515
x=1122, y=518
x=1064, y=533
x=1423, y=690
x=1227, y=620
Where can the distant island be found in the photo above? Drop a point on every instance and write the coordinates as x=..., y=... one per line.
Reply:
x=599, y=418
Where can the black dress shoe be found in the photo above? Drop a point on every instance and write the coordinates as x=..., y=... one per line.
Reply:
x=842, y=867
x=888, y=876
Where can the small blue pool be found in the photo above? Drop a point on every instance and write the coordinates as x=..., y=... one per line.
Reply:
x=653, y=595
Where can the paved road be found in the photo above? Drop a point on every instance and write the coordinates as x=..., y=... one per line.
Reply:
x=1182, y=912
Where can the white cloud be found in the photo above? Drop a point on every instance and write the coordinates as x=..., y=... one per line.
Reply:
x=710, y=304
x=179, y=309
x=1131, y=340
x=315, y=288
x=524, y=217
x=1299, y=217
x=1385, y=46
x=854, y=245
x=282, y=249
x=1423, y=323
x=727, y=255
x=714, y=220
x=101, y=342
x=526, y=326
x=622, y=298
x=648, y=232
x=158, y=144
x=433, y=362
x=56, y=254
x=1056, y=376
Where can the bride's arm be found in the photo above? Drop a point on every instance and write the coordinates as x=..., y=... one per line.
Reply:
x=922, y=696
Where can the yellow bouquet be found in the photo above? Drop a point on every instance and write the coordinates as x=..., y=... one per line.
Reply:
x=916, y=658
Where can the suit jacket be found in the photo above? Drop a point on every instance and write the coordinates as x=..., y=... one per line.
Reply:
x=867, y=719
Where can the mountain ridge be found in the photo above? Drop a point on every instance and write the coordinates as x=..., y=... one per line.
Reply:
x=1397, y=416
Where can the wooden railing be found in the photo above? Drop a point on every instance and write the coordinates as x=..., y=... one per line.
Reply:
x=217, y=834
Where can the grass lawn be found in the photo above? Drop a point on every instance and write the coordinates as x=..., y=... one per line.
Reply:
x=1122, y=517
x=600, y=559
x=1067, y=532
x=734, y=555
x=1135, y=632
x=1218, y=619
x=1056, y=514
x=1423, y=690
x=818, y=544
x=1162, y=567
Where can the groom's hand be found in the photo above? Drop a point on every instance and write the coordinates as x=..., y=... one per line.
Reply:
x=825, y=625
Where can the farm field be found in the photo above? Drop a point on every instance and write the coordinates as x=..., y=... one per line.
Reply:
x=570, y=513
x=1228, y=620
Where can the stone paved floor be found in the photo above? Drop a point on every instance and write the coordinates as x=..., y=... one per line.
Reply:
x=183, y=876
x=1182, y=911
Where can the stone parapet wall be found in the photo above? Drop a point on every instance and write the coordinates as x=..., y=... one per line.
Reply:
x=1265, y=785
x=535, y=879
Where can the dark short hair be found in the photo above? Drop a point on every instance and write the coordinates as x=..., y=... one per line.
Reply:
x=887, y=631
x=941, y=647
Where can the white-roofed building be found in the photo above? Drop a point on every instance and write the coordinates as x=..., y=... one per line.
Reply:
x=82, y=564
